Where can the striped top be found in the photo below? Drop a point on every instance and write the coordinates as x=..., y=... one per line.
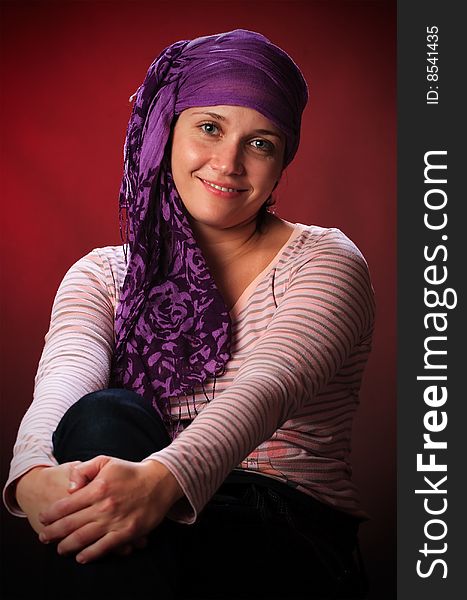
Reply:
x=284, y=406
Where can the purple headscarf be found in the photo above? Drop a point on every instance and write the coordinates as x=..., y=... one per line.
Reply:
x=172, y=328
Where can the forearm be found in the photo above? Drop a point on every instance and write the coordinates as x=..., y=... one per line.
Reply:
x=220, y=438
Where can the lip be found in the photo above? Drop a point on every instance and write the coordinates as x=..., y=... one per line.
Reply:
x=208, y=184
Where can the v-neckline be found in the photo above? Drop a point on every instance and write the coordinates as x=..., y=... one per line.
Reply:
x=247, y=292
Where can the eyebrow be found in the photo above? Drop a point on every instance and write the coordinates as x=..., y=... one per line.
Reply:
x=211, y=114
x=267, y=132
x=222, y=118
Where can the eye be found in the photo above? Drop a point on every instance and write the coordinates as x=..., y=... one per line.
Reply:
x=209, y=128
x=262, y=145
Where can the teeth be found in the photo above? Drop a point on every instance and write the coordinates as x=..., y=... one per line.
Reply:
x=218, y=187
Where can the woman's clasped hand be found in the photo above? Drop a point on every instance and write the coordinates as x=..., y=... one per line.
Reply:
x=114, y=503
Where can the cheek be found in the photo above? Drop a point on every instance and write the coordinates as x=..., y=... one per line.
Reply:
x=186, y=157
x=193, y=157
x=267, y=177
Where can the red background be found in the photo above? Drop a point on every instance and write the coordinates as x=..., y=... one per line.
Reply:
x=67, y=71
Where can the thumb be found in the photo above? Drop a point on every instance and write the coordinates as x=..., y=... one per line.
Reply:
x=76, y=480
x=81, y=474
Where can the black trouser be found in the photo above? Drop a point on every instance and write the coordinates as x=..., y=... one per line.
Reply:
x=256, y=538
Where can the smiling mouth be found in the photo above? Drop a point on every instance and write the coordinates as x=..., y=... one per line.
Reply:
x=221, y=188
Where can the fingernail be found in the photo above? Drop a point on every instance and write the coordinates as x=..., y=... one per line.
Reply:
x=80, y=559
x=43, y=538
x=72, y=485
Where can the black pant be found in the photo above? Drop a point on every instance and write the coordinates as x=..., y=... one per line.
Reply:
x=256, y=538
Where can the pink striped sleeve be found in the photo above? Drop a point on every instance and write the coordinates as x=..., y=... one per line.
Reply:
x=327, y=309
x=74, y=362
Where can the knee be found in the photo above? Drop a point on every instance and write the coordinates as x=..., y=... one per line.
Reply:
x=115, y=422
x=104, y=400
x=97, y=410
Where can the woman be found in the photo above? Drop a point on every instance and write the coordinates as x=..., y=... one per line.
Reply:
x=207, y=372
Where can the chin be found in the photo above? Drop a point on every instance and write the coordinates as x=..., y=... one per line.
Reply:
x=211, y=218
x=212, y=223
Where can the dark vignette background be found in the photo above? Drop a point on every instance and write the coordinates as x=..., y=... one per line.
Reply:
x=67, y=70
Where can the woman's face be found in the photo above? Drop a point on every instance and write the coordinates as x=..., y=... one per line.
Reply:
x=226, y=160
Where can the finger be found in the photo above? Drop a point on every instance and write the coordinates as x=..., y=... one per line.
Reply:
x=73, y=503
x=102, y=546
x=77, y=480
x=81, y=538
x=91, y=468
x=62, y=528
x=65, y=506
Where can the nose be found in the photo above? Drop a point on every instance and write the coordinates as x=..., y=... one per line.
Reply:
x=227, y=158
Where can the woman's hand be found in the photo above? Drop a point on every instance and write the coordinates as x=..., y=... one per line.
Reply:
x=40, y=487
x=78, y=480
x=120, y=503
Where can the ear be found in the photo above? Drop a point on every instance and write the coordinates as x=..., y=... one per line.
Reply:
x=276, y=184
